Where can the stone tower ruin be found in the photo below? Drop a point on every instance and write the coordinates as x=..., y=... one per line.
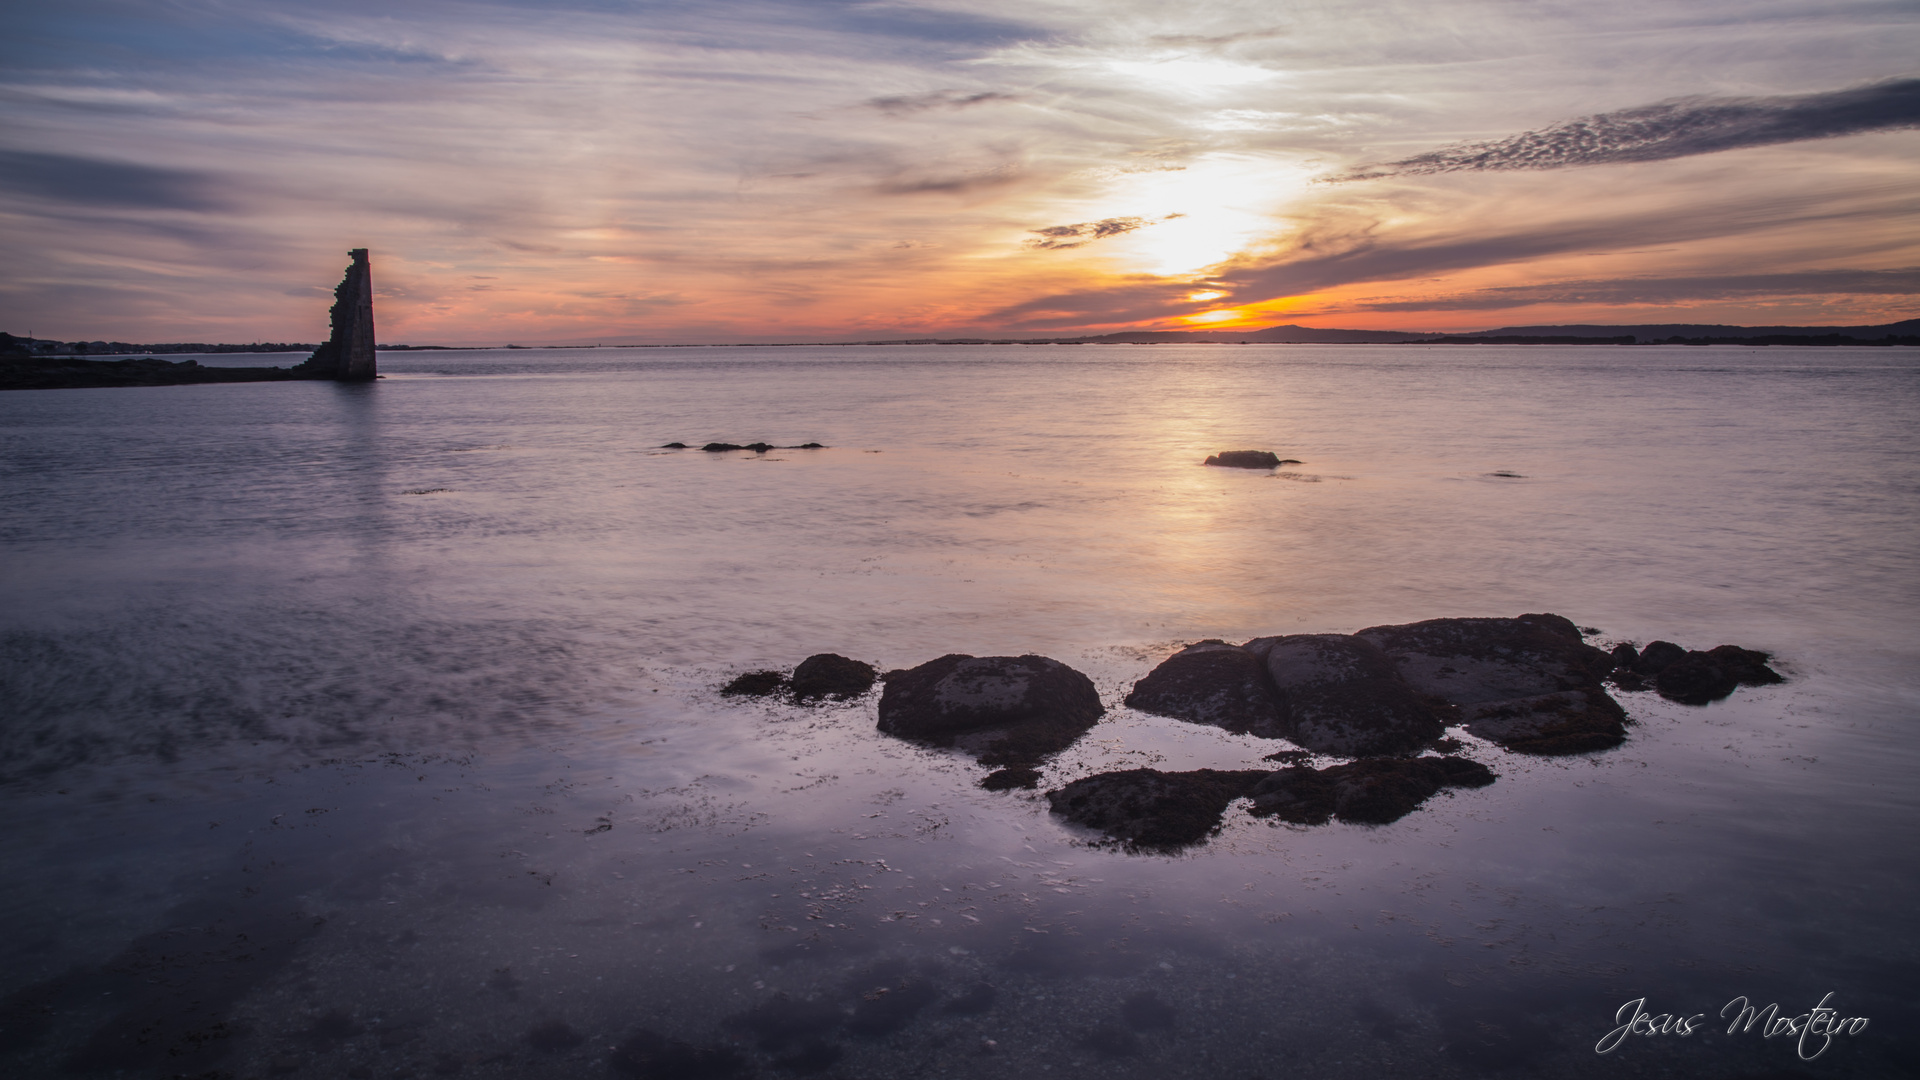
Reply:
x=348, y=353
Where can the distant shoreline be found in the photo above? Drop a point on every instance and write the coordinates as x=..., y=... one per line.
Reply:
x=1904, y=333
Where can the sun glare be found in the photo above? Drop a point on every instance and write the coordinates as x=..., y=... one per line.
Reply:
x=1205, y=295
x=1209, y=317
x=1189, y=73
x=1205, y=212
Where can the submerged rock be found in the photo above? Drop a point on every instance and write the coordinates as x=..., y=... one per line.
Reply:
x=1246, y=459
x=1531, y=684
x=831, y=675
x=1373, y=791
x=648, y=1055
x=1006, y=710
x=1153, y=810
x=1212, y=683
x=756, y=684
x=1656, y=657
x=1010, y=778
x=1340, y=694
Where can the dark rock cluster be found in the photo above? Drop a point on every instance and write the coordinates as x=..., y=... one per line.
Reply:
x=820, y=676
x=1529, y=684
x=1690, y=677
x=756, y=447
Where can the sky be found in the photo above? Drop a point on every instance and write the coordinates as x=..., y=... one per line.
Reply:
x=657, y=171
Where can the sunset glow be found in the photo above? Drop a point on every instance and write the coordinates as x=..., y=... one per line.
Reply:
x=819, y=171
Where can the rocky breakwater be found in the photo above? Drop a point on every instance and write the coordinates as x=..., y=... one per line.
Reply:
x=1010, y=711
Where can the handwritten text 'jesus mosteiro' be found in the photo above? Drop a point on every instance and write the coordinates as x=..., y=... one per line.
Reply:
x=1820, y=1023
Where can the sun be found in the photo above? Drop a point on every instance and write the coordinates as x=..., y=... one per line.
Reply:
x=1202, y=214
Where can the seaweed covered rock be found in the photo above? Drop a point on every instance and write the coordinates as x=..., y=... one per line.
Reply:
x=1372, y=791
x=1212, y=683
x=1246, y=459
x=1530, y=684
x=1005, y=710
x=1153, y=810
x=1340, y=694
x=831, y=675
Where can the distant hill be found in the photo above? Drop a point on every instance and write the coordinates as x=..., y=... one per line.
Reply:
x=1900, y=333
x=1660, y=331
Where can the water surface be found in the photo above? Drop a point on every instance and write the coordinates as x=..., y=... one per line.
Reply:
x=373, y=730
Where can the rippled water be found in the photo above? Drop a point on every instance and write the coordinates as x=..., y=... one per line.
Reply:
x=373, y=730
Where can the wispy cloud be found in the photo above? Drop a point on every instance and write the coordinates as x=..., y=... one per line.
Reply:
x=67, y=178
x=908, y=104
x=1065, y=237
x=1664, y=290
x=1671, y=129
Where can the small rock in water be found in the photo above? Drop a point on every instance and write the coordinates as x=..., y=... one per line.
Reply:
x=1010, y=778
x=1147, y=809
x=1702, y=677
x=674, y=446
x=1246, y=459
x=1656, y=657
x=756, y=684
x=1005, y=710
x=831, y=675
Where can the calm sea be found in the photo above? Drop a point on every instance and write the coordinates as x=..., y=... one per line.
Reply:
x=373, y=731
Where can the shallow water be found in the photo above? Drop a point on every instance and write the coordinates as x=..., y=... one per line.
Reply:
x=373, y=731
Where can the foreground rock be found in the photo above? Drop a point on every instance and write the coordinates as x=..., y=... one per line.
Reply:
x=1153, y=810
x=1005, y=710
x=1246, y=459
x=831, y=675
x=1374, y=791
x=1531, y=684
x=1688, y=676
x=1146, y=809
